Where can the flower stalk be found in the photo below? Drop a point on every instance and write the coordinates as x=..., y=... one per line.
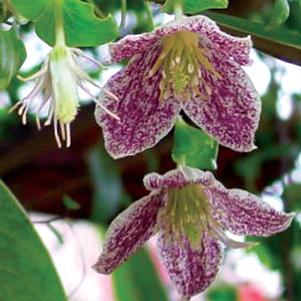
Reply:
x=178, y=9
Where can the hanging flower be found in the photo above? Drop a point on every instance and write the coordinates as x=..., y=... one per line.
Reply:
x=191, y=210
x=187, y=64
x=58, y=81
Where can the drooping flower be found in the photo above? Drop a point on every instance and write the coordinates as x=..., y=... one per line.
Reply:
x=57, y=82
x=186, y=64
x=192, y=211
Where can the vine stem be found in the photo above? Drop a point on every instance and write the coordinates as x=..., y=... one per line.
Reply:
x=123, y=13
x=178, y=9
x=59, y=24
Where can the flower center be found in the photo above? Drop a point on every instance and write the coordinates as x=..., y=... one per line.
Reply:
x=63, y=84
x=187, y=213
x=180, y=62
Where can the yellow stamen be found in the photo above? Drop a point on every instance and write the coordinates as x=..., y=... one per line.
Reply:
x=187, y=213
x=180, y=63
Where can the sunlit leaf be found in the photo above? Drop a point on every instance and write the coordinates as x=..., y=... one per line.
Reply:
x=137, y=279
x=32, y=10
x=193, y=147
x=194, y=6
x=279, y=14
x=82, y=27
x=27, y=273
x=12, y=56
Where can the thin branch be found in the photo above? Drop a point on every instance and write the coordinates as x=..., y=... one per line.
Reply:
x=50, y=220
x=123, y=13
x=82, y=259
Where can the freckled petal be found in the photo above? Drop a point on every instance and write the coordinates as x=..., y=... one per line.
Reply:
x=230, y=111
x=230, y=47
x=144, y=119
x=132, y=45
x=172, y=179
x=129, y=231
x=243, y=213
x=192, y=271
x=234, y=48
x=177, y=178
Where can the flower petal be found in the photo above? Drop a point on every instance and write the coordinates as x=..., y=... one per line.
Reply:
x=192, y=271
x=129, y=231
x=234, y=48
x=132, y=45
x=177, y=178
x=144, y=119
x=243, y=213
x=229, y=108
x=230, y=47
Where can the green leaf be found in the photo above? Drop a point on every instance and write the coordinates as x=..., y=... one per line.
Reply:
x=193, y=147
x=281, y=35
x=26, y=270
x=292, y=194
x=82, y=27
x=107, y=183
x=137, y=279
x=279, y=14
x=251, y=166
x=224, y=292
x=195, y=6
x=32, y=10
x=267, y=258
x=70, y=204
x=12, y=56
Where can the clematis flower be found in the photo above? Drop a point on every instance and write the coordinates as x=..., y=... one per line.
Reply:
x=58, y=81
x=186, y=64
x=192, y=211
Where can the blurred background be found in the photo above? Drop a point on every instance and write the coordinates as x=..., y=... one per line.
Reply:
x=73, y=194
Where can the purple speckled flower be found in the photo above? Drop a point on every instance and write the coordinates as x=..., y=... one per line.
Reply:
x=191, y=210
x=187, y=64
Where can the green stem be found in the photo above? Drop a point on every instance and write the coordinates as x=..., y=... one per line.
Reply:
x=149, y=15
x=182, y=162
x=178, y=8
x=59, y=24
x=123, y=13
